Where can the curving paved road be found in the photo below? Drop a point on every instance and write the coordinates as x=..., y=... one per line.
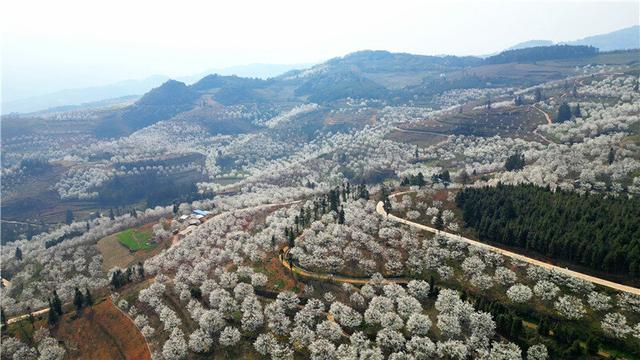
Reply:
x=510, y=254
x=24, y=316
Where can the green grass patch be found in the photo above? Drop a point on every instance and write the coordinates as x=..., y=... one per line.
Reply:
x=136, y=239
x=278, y=284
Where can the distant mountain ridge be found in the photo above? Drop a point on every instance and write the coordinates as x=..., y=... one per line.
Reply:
x=133, y=87
x=623, y=39
x=353, y=75
x=390, y=78
x=80, y=96
x=531, y=43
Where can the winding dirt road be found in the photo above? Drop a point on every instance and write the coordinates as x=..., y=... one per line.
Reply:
x=546, y=116
x=595, y=280
x=331, y=277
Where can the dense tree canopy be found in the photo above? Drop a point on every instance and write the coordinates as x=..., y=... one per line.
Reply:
x=590, y=230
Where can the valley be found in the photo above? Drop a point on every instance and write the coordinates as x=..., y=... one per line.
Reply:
x=376, y=205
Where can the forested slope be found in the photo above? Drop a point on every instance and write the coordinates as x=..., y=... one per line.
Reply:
x=590, y=230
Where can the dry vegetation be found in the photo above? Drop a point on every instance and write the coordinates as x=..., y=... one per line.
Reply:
x=102, y=332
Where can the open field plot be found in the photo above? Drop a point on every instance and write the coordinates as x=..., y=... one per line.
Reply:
x=135, y=239
x=419, y=138
x=511, y=121
x=101, y=332
x=115, y=253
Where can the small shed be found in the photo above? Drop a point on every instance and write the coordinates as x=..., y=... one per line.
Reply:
x=201, y=212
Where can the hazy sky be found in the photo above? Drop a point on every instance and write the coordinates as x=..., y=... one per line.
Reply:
x=50, y=45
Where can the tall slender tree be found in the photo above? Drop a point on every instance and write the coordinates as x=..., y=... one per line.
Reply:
x=78, y=299
x=88, y=299
x=57, y=303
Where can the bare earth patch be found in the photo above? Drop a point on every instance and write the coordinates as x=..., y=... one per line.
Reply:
x=102, y=332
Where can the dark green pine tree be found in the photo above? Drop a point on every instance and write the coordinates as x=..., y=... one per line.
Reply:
x=537, y=95
x=334, y=199
x=112, y=216
x=516, y=328
x=386, y=205
x=543, y=327
x=574, y=351
x=439, y=223
x=446, y=177
x=57, y=303
x=593, y=345
x=53, y=315
x=384, y=192
x=18, y=254
x=3, y=317
x=78, y=299
x=291, y=239
x=363, y=193
x=420, y=180
x=612, y=156
x=88, y=299
x=514, y=162
x=464, y=177
x=576, y=111
x=341, y=216
x=564, y=113
x=433, y=289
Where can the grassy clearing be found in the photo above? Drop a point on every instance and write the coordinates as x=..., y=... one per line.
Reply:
x=136, y=239
x=115, y=253
x=415, y=138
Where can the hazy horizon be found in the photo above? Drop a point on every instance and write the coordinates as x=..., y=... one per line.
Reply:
x=73, y=44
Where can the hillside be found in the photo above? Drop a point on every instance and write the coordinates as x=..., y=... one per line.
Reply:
x=341, y=95
x=161, y=103
x=309, y=214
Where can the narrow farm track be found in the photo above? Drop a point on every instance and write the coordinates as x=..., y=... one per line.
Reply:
x=330, y=277
x=546, y=116
x=595, y=280
x=134, y=324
